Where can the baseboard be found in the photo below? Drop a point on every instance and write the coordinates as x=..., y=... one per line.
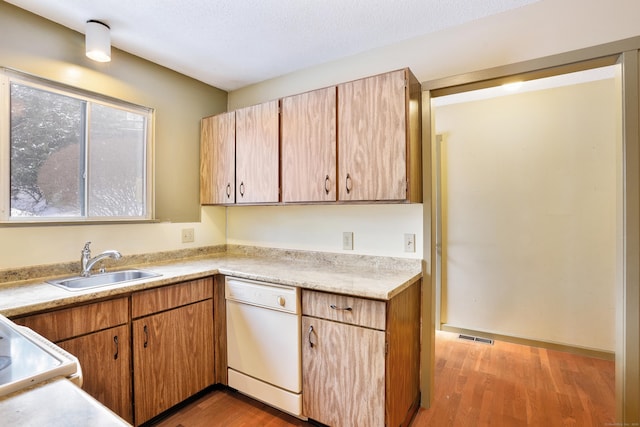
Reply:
x=581, y=351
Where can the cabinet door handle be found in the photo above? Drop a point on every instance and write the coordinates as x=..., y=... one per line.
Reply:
x=347, y=183
x=146, y=336
x=327, y=185
x=309, y=336
x=115, y=341
x=335, y=307
x=228, y=190
x=241, y=188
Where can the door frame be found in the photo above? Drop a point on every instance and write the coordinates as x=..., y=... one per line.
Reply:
x=627, y=53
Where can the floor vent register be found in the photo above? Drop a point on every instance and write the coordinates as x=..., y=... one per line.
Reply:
x=476, y=339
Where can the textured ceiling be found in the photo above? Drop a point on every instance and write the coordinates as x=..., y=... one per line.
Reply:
x=233, y=43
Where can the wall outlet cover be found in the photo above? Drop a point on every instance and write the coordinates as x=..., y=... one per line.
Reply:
x=188, y=235
x=347, y=240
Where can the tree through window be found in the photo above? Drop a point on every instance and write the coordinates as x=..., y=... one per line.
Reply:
x=74, y=157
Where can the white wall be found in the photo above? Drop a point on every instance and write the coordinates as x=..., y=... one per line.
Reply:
x=37, y=245
x=543, y=28
x=530, y=230
x=377, y=229
x=34, y=45
x=540, y=29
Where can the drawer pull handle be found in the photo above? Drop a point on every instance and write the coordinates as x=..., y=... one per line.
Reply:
x=347, y=183
x=327, y=185
x=241, y=188
x=310, y=332
x=228, y=190
x=146, y=336
x=333, y=306
x=115, y=341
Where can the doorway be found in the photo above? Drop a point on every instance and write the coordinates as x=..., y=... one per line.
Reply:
x=529, y=190
x=529, y=220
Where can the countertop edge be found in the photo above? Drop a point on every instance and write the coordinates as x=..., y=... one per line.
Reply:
x=78, y=407
x=374, y=282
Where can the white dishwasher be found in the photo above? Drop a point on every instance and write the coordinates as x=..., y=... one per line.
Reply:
x=263, y=342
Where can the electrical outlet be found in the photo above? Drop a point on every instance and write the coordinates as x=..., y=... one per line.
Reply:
x=409, y=242
x=347, y=240
x=187, y=235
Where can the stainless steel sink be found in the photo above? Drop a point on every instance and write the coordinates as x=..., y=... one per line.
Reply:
x=79, y=283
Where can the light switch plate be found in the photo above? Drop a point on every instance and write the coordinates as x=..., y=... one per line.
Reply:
x=409, y=242
x=347, y=240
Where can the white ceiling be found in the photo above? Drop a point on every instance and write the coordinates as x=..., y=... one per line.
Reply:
x=230, y=44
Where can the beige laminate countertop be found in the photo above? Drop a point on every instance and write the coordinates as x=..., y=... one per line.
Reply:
x=370, y=277
x=56, y=403
x=67, y=405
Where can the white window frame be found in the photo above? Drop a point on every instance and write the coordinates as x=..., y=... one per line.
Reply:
x=8, y=76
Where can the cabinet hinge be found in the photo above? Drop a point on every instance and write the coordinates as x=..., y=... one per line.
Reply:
x=386, y=348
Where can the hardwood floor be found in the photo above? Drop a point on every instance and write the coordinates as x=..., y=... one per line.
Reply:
x=514, y=385
x=228, y=408
x=475, y=385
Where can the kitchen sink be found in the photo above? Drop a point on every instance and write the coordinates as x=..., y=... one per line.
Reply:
x=79, y=283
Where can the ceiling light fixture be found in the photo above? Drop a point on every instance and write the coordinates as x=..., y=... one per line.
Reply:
x=98, y=41
x=512, y=87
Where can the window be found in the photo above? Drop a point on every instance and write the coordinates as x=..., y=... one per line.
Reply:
x=72, y=155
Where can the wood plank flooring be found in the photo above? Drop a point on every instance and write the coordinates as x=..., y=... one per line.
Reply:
x=228, y=408
x=475, y=385
x=514, y=385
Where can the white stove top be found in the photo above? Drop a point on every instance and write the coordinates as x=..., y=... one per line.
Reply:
x=27, y=358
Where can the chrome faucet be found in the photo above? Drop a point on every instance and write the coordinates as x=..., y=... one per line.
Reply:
x=88, y=262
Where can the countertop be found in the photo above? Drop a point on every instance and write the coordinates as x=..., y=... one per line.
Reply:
x=66, y=405
x=56, y=403
x=365, y=276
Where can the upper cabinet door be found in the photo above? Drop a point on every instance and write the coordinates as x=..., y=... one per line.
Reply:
x=257, y=154
x=217, y=159
x=309, y=146
x=372, y=138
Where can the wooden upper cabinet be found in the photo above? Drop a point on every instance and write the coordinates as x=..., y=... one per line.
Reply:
x=257, y=154
x=379, y=138
x=359, y=141
x=217, y=159
x=309, y=146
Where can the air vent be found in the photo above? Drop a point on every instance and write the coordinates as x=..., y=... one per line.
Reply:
x=476, y=339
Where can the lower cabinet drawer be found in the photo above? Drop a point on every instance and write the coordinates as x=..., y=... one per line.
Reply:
x=75, y=321
x=154, y=300
x=346, y=309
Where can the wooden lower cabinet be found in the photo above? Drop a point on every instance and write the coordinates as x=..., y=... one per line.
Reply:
x=105, y=358
x=343, y=374
x=361, y=358
x=172, y=354
x=169, y=344
x=98, y=335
